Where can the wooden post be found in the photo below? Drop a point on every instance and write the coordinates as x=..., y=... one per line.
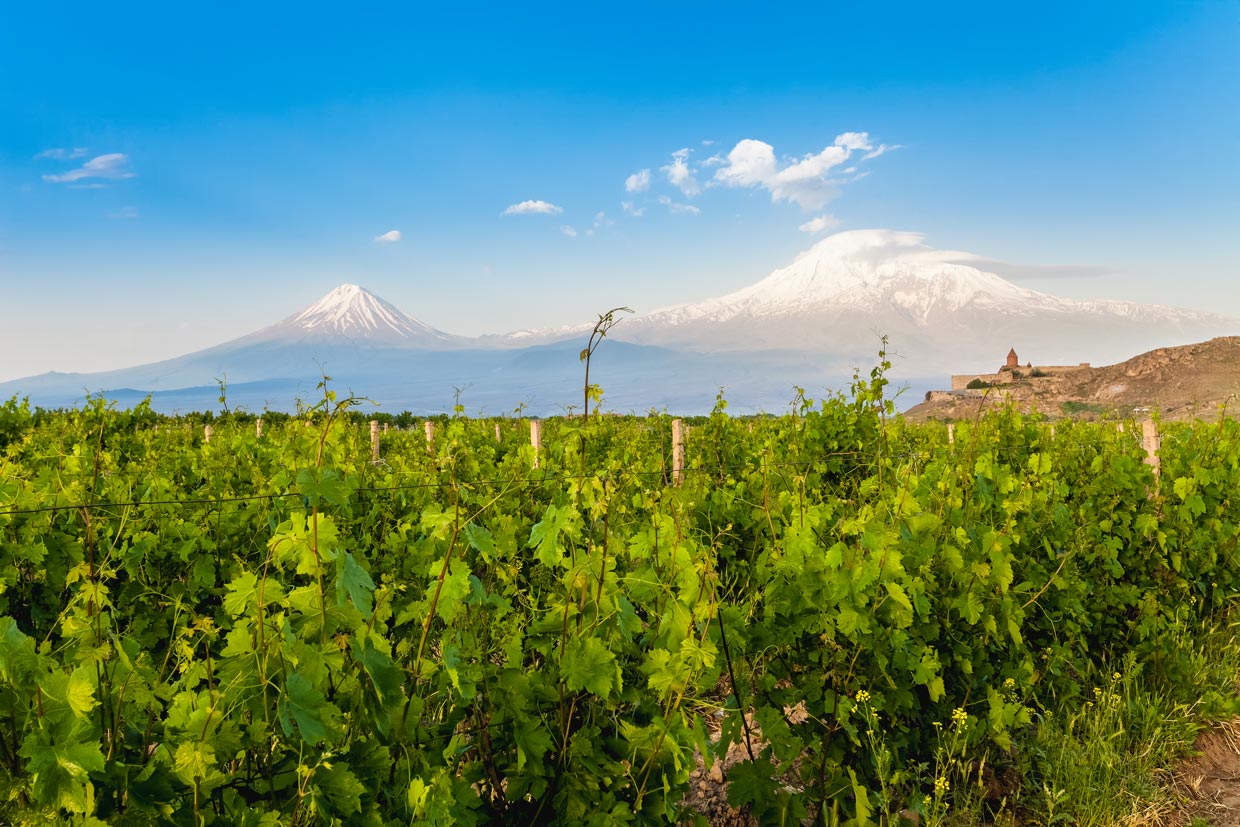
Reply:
x=385, y=428
x=951, y=433
x=1150, y=442
x=678, y=452
x=497, y=435
x=429, y=427
x=374, y=440
x=258, y=427
x=206, y=433
x=536, y=438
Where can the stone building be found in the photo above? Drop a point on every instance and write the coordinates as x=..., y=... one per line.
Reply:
x=1011, y=372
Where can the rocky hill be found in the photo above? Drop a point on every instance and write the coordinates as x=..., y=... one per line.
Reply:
x=1188, y=382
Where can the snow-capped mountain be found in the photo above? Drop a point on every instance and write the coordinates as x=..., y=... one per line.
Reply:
x=807, y=324
x=941, y=313
x=353, y=315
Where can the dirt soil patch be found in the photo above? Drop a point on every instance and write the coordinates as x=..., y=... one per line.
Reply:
x=1211, y=779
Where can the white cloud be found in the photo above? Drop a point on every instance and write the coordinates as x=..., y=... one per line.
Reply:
x=680, y=175
x=853, y=140
x=569, y=230
x=638, y=181
x=677, y=207
x=61, y=154
x=533, y=208
x=632, y=210
x=112, y=166
x=819, y=224
x=126, y=213
x=803, y=181
x=390, y=237
x=881, y=149
x=1017, y=271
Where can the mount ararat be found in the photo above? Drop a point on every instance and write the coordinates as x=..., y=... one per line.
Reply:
x=809, y=324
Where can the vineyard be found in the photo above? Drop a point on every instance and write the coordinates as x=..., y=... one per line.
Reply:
x=845, y=616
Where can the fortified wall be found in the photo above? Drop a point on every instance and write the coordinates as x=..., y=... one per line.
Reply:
x=1013, y=371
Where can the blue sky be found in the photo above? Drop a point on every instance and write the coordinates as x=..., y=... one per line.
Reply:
x=172, y=176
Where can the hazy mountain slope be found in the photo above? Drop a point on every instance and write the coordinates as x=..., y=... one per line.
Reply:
x=340, y=330
x=545, y=379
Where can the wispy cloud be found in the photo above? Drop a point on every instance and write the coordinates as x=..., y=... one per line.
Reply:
x=676, y=207
x=680, y=175
x=638, y=181
x=600, y=221
x=113, y=166
x=1021, y=272
x=631, y=209
x=390, y=237
x=124, y=213
x=820, y=224
x=881, y=149
x=62, y=154
x=533, y=208
x=804, y=181
x=569, y=230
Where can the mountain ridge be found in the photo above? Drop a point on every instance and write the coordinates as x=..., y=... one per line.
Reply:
x=812, y=321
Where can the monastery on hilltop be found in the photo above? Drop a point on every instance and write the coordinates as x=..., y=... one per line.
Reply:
x=1010, y=372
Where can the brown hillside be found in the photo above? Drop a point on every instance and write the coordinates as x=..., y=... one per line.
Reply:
x=1197, y=381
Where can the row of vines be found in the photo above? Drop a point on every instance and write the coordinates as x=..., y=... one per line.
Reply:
x=275, y=630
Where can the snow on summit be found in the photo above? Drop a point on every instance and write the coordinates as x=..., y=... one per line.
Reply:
x=841, y=295
x=353, y=314
x=350, y=308
x=864, y=269
x=876, y=271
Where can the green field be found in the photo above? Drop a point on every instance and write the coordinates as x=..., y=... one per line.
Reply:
x=277, y=629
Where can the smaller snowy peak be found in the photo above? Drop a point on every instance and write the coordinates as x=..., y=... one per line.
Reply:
x=350, y=309
x=351, y=313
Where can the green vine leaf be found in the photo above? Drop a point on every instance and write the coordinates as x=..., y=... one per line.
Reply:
x=588, y=665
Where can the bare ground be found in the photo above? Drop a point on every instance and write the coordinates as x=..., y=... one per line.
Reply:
x=1210, y=779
